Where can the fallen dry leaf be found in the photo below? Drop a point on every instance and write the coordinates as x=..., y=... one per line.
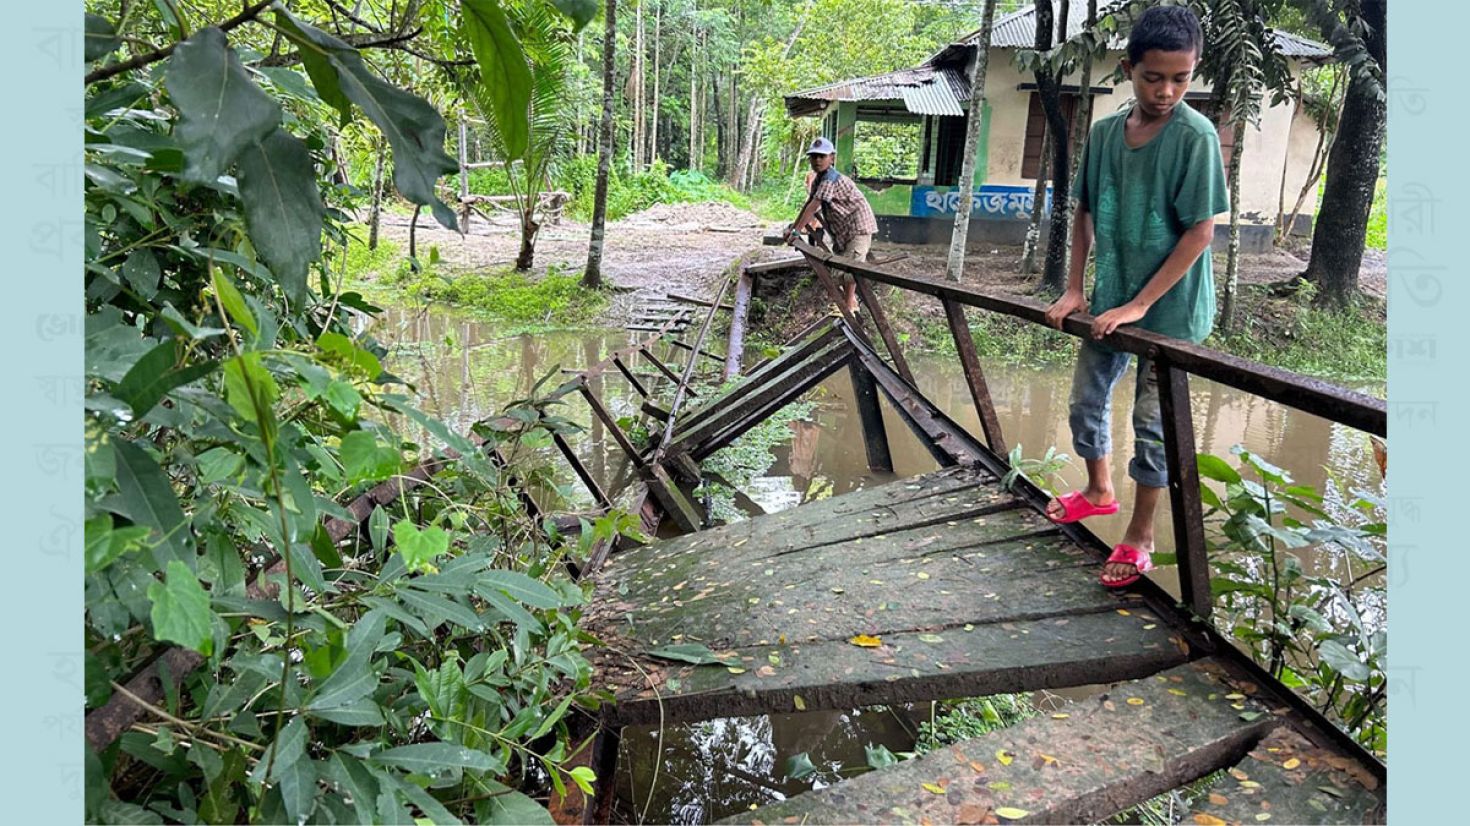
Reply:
x=1011, y=812
x=866, y=641
x=1004, y=757
x=1291, y=764
x=935, y=788
x=1219, y=799
x=1207, y=820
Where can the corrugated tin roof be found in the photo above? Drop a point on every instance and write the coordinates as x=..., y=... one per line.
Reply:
x=1017, y=30
x=924, y=90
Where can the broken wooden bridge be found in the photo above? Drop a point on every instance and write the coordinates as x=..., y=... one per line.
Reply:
x=953, y=585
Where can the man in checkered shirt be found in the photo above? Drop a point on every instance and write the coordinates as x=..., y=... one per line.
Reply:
x=845, y=213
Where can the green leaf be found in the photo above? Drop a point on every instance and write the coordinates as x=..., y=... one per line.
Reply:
x=1213, y=467
x=354, y=678
x=140, y=269
x=101, y=38
x=150, y=501
x=298, y=788
x=352, y=777
x=378, y=528
x=344, y=398
x=341, y=351
x=283, y=208
x=367, y=460
x=419, y=547
x=584, y=777
x=1314, y=621
x=505, y=76
x=249, y=387
x=507, y=606
x=362, y=712
x=414, y=129
x=879, y=757
x=556, y=714
x=104, y=544
x=523, y=588
x=580, y=12
x=220, y=110
x=512, y=808
x=800, y=767
x=429, y=758
x=219, y=463
x=234, y=302
x=180, y=610
x=689, y=652
x=1345, y=662
x=153, y=376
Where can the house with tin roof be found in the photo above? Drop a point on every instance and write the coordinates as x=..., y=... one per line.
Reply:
x=901, y=136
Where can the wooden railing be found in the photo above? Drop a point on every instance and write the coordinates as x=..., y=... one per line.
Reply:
x=1174, y=360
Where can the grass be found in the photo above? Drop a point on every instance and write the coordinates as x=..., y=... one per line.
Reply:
x=1377, y=238
x=1290, y=333
x=554, y=300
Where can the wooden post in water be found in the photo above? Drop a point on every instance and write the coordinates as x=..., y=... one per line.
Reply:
x=1189, y=522
x=736, y=348
x=875, y=435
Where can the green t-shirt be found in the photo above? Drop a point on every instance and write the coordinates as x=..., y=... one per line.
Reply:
x=1142, y=200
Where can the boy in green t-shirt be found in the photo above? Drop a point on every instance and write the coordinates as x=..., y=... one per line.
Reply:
x=1149, y=186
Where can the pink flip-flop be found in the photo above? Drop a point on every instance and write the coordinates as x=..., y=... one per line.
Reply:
x=1075, y=508
x=1128, y=555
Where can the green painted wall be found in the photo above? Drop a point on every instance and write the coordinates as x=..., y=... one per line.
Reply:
x=846, y=132
x=892, y=200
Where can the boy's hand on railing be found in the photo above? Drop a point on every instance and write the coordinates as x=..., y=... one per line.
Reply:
x=1072, y=301
x=1117, y=317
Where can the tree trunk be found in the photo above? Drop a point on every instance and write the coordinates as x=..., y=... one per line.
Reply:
x=720, y=136
x=1048, y=84
x=1081, y=122
x=1352, y=175
x=1326, y=138
x=1232, y=257
x=741, y=175
x=955, y=267
x=375, y=217
x=694, y=90
x=639, y=127
x=592, y=275
x=658, y=12
x=525, y=259
x=1038, y=203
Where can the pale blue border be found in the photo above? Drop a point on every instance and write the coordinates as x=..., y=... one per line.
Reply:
x=42, y=229
x=1428, y=347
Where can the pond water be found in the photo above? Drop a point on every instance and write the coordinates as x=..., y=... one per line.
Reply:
x=465, y=371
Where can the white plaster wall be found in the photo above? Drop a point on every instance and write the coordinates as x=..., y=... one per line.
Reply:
x=1284, y=138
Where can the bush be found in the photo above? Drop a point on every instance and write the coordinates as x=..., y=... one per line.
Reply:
x=556, y=299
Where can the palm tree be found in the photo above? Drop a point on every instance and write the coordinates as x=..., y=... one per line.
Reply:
x=547, y=43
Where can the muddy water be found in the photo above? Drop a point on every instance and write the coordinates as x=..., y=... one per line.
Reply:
x=464, y=371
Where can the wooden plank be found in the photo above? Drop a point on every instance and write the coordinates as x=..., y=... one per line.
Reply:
x=1114, y=751
x=611, y=424
x=663, y=368
x=974, y=376
x=672, y=500
x=736, y=407
x=910, y=667
x=707, y=354
x=1310, y=395
x=735, y=348
x=874, y=509
x=803, y=380
x=875, y=434
x=946, y=441
x=780, y=267
x=688, y=299
x=1321, y=786
x=1184, y=499
x=802, y=349
x=885, y=330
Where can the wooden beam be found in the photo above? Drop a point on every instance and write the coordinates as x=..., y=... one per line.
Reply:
x=974, y=377
x=699, y=301
x=875, y=434
x=735, y=348
x=1184, y=500
x=632, y=379
x=611, y=424
x=880, y=320
x=598, y=494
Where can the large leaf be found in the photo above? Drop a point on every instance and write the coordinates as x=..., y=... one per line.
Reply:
x=249, y=387
x=353, y=679
x=154, y=375
x=150, y=501
x=512, y=808
x=367, y=460
x=428, y=758
x=221, y=111
x=180, y=610
x=414, y=129
x=523, y=588
x=580, y=11
x=283, y=208
x=504, y=73
x=101, y=38
x=419, y=547
x=1342, y=660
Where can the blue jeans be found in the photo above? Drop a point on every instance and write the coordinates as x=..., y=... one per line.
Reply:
x=1098, y=370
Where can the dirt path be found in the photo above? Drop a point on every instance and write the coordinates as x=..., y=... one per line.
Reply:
x=682, y=248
